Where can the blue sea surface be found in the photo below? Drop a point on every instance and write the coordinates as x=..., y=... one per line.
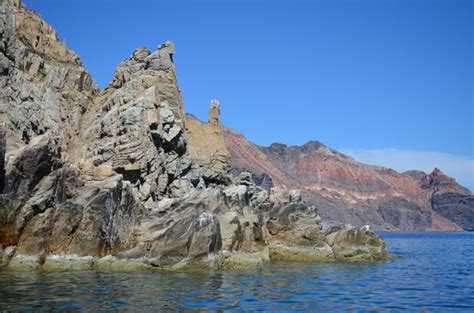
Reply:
x=435, y=273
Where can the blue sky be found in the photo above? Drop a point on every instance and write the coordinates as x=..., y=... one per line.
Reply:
x=380, y=80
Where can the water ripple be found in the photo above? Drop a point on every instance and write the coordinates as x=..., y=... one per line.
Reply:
x=435, y=274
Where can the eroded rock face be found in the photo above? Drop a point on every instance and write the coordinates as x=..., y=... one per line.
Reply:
x=137, y=127
x=349, y=243
x=47, y=208
x=122, y=179
x=207, y=147
x=44, y=87
x=449, y=199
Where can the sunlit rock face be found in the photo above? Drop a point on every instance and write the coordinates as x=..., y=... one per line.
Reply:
x=207, y=147
x=137, y=127
x=122, y=179
x=44, y=87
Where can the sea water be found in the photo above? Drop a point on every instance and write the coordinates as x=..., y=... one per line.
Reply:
x=435, y=272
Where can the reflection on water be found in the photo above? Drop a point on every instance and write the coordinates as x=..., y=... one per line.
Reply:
x=436, y=273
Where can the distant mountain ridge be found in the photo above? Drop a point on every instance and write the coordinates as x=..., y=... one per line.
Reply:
x=345, y=190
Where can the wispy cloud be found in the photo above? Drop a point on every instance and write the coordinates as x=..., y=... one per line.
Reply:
x=459, y=167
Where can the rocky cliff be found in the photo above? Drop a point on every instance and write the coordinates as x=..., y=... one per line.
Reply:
x=122, y=178
x=207, y=147
x=344, y=190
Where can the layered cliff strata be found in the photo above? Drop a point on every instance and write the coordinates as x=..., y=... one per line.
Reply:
x=344, y=190
x=121, y=178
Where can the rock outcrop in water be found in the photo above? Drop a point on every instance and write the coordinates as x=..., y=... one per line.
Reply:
x=121, y=178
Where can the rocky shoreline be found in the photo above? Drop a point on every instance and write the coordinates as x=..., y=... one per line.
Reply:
x=344, y=251
x=121, y=179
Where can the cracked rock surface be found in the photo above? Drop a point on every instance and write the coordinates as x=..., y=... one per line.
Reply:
x=122, y=178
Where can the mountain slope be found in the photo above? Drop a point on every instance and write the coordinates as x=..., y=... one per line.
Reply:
x=348, y=191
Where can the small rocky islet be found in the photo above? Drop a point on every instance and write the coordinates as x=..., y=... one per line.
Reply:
x=124, y=179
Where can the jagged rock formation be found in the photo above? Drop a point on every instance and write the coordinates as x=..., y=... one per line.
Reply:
x=448, y=198
x=344, y=190
x=121, y=178
x=137, y=128
x=44, y=85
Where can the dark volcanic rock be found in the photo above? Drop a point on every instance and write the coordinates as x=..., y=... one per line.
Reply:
x=263, y=180
x=405, y=215
x=455, y=207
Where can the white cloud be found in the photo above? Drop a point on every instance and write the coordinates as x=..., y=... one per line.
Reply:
x=459, y=167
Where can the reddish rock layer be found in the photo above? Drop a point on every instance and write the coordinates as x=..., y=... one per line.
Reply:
x=345, y=190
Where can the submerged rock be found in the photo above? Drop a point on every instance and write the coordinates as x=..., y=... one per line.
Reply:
x=122, y=179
